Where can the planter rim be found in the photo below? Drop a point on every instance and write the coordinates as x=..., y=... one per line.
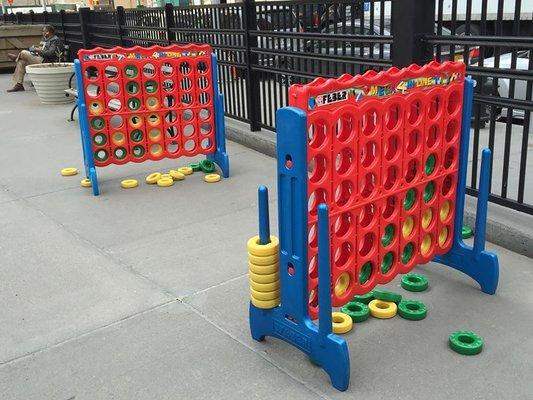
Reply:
x=47, y=68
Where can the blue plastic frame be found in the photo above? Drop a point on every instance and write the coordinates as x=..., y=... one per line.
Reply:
x=219, y=156
x=290, y=320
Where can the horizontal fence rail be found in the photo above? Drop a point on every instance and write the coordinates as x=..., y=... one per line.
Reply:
x=264, y=47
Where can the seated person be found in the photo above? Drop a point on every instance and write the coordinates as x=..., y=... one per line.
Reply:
x=51, y=51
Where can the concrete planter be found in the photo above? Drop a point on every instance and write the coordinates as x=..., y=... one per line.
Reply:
x=50, y=81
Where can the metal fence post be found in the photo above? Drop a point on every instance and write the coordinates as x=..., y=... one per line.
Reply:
x=121, y=21
x=84, y=28
x=32, y=17
x=411, y=20
x=170, y=22
x=45, y=17
x=253, y=98
x=62, y=21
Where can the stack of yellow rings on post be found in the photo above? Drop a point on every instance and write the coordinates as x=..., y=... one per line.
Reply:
x=263, y=266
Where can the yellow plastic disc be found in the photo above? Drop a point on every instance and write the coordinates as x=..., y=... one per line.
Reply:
x=263, y=269
x=425, y=246
x=264, y=295
x=264, y=304
x=264, y=287
x=69, y=171
x=408, y=226
x=268, y=278
x=342, y=283
x=262, y=250
x=86, y=183
x=165, y=176
x=165, y=182
x=212, y=178
x=341, y=323
x=129, y=183
x=445, y=209
x=153, y=178
x=185, y=170
x=265, y=260
x=427, y=217
x=382, y=309
x=443, y=236
x=176, y=175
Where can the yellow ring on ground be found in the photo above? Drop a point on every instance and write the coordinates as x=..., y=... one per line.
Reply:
x=264, y=260
x=408, y=226
x=264, y=296
x=166, y=176
x=427, y=217
x=185, y=170
x=86, y=183
x=342, y=283
x=69, y=171
x=268, y=278
x=341, y=323
x=264, y=287
x=443, y=236
x=212, y=178
x=165, y=182
x=265, y=304
x=176, y=175
x=129, y=183
x=263, y=269
x=425, y=245
x=445, y=210
x=262, y=250
x=153, y=178
x=382, y=309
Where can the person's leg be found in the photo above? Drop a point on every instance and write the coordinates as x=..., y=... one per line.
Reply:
x=24, y=58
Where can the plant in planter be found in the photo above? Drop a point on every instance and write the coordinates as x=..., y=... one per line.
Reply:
x=51, y=80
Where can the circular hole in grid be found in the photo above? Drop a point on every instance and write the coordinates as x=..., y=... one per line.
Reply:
x=120, y=153
x=156, y=149
x=312, y=237
x=390, y=206
x=344, y=193
x=201, y=67
x=411, y=170
x=408, y=226
x=429, y=191
x=393, y=117
x=152, y=103
x=138, y=151
x=317, y=168
x=341, y=286
x=113, y=89
x=433, y=136
x=203, y=98
x=171, y=132
x=134, y=104
x=452, y=130
x=387, y=262
x=454, y=102
x=185, y=68
x=366, y=244
x=369, y=153
x=447, y=185
x=114, y=105
x=413, y=141
x=111, y=72
x=206, y=143
x=203, y=82
x=100, y=139
x=435, y=106
x=391, y=177
x=190, y=145
x=153, y=119
x=313, y=269
x=368, y=185
x=171, y=116
x=443, y=236
x=449, y=158
x=185, y=84
x=97, y=123
x=131, y=71
x=95, y=107
x=415, y=112
x=317, y=134
x=204, y=113
x=188, y=130
x=93, y=90
x=367, y=215
x=426, y=245
x=344, y=161
x=118, y=138
x=431, y=162
x=365, y=273
x=169, y=101
x=101, y=155
x=154, y=135
x=186, y=99
x=409, y=199
x=205, y=128
x=313, y=298
x=343, y=254
x=151, y=86
x=343, y=224
x=445, y=210
x=136, y=135
x=317, y=197
x=116, y=121
x=370, y=122
x=345, y=127
x=168, y=85
x=149, y=70
x=173, y=147
x=388, y=235
x=132, y=87
x=392, y=147
x=91, y=73
x=187, y=115
x=427, y=218
x=407, y=253
x=167, y=69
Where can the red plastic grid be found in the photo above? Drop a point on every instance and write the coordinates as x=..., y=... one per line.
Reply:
x=383, y=154
x=149, y=103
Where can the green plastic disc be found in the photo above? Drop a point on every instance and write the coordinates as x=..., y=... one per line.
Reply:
x=407, y=253
x=207, y=166
x=429, y=191
x=412, y=310
x=410, y=198
x=120, y=153
x=466, y=342
x=467, y=232
x=414, y=282
x=387, y=262
x=98, y=123
x=132, y=87
x=101, y=155
x=387, y=296
x=388, y=235
x=430, y=164
x=131, y=71
x=99, y=139
x=195, y=167
x=138, y=151
x=366, y=271
x=134, y=104
x=363, y=298
x=137, y=135
x=358, y=311
x=150, y=86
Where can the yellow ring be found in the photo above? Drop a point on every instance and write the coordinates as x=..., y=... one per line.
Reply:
x=69, y=171
x=261, y=250
x=156, y=120
x=382, y=309
x=443, y=236
x=166, y=176
x=138, y=125
x=165, y=182
x=212, y=178
x=154, y=106
x=341, y=323
x=153, y=178
x=264, y=260
x=86, y=183
x=445, y=210
x=263, y=269
x=269, y=278
x=185, y=170
x=342, y=284
x=427, y=217
x=408, y=226
x=176, y=175
x=264, y=287
x=95, y=107
x=129, y=183
x=425, y=246
x=121, y=138
x=264, y=296
x=265, y=304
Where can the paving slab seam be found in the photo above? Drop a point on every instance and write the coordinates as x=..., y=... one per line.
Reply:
x=185, y=297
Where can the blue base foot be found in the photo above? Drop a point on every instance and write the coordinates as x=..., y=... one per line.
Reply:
x=94, y=181
x=222, y=160
x=329, y=352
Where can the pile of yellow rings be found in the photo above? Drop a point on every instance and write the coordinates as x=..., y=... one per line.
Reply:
x=263, y=266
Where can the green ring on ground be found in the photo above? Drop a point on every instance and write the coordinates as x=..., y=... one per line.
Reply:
x=430, y=164
x=387, y=296
x=99, y=139
x=97, y=123
x=412, y=310
x=120, y=153
x=207, y=166
x=359, y=312
x=410, y=198
x=429, y=191
x=137, y=135
x=366, y=271
x=388, y=235
x=466, y=342
x=415, y=282
x=407, y=253
x=150, y=86
x=466, y=232
x=363, y=298
x=387, y=262
x=134, y=104
x=131, y=71
x=138, y=151
x=132, y=87
x=195, y=167
x=101, y=155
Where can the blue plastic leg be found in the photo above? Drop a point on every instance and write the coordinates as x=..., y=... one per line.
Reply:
x=222, y=160
x=94, y=181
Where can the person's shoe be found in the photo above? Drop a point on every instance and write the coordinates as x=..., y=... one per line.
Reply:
x=12, y=56
x=17, y=88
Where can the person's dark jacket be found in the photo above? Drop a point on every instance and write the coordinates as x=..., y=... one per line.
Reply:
x=52, y=50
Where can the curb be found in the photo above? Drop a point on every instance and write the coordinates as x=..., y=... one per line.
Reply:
x=505, y=227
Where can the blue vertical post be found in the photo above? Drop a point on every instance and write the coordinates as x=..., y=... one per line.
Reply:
x=324, y=288
x=264, y=219
x=482, y=203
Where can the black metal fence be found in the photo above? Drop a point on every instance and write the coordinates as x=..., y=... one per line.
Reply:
x=264, y=47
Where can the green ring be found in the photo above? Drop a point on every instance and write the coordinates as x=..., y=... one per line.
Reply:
x=366, y=271
x=430, y=164
x=387, y=296
x=136, y=135
x=407, y=253
x=195, y=167
x=410, y=198
x=207, y=166
x=415, y=282
x=386, y=263
x=136, y=104
x=388, y=235
x=138, y=151
x=133, y=69
x=429, y=191
x=466, y=232
x=124, y=155
x=97, y=123
x=100, y=135
x=466, y=342
x=359, y=312
x=132, y=87
x=148, y=86
x=105, y=157
x=412, y=310
x=364, y=298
